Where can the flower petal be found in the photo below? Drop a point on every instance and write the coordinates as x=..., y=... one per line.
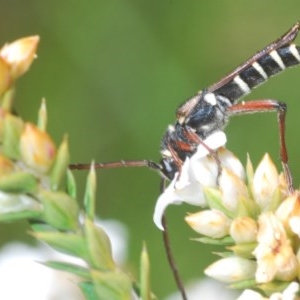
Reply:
x=274, y=253
x=251, y=295
x=232, y=189
x=231, y=269
x=265, y=181
x=211, y=223
x=243, y=230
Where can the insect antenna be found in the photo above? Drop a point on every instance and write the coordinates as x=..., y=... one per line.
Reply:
x=118, y=164
x=165, y=233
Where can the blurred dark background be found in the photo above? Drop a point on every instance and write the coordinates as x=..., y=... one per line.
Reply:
x=113, y=73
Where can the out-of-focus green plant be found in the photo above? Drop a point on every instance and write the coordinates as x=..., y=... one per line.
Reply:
x=36, y=185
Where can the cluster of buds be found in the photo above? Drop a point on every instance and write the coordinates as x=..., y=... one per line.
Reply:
x=36, y=184
x=251, y=213
x=31, y=168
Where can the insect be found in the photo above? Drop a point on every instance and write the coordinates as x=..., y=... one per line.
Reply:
x=210, y=109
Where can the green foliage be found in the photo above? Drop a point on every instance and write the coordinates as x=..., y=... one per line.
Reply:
x=36, y=185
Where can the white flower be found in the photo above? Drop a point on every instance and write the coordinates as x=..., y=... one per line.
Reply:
x=274, y=252
x=201, y=170
x=251, y=295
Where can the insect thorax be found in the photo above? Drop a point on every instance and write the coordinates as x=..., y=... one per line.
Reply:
x=197, y=118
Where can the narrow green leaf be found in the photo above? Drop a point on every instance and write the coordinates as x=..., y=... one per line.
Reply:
x=99, y=247
x=12, y=130
x=245, y=284
x=243, y=250
x=223, y=254
x=69, y=243
x=210, y=241
x=112, y=285
x=60, y=166
x=71, y=185
x=247, y=207
x=60, y=210
x=7, y=99
x=275, y=286
x=145, y=275
x=68, y=267
x=90, y=193
x=88, y=290
x=18, y=182
x=214, y=200
x=22, y=215
x=42, y=116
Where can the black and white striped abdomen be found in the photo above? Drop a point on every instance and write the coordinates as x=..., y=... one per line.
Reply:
x=259, y=71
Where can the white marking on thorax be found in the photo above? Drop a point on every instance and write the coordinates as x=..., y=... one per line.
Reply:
x=210, y=98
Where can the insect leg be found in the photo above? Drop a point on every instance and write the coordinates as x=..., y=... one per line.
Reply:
x=267, y=105
x=193, y=137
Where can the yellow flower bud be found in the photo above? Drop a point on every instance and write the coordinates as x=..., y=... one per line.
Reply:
x=19, y=55
x=37, y=148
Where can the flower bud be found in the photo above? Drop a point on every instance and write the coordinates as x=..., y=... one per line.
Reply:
x=265, y=181
x=243, y=230
x=5, y=78
x=37, y=148
x=232, y=188
x=231, y=162
x=231, y=269
x=19, y=55
x=211, y=223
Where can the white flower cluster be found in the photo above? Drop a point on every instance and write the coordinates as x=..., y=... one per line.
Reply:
x=251, y=210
